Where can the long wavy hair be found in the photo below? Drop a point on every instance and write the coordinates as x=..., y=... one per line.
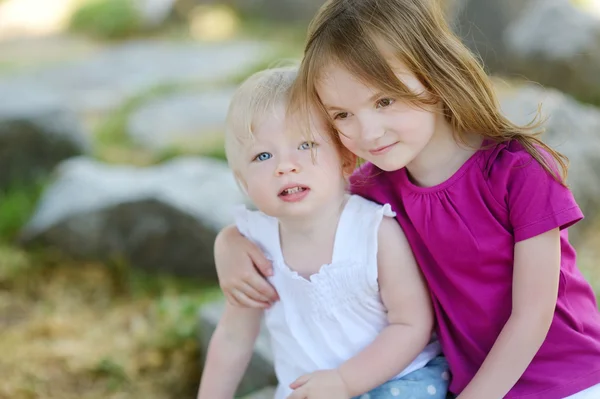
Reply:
x=350, y=33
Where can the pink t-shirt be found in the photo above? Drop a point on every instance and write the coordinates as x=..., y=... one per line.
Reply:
x=463, y=233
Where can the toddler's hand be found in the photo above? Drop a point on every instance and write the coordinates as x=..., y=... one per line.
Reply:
x=322, y=384
x=239, y=263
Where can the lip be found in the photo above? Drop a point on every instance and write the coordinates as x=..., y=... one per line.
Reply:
x=295, y=197
x=382, y=150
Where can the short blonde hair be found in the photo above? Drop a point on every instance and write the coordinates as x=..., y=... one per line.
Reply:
x=255, y=99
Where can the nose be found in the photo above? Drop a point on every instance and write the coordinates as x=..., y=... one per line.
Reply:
x=287, y=165
x=370, y=130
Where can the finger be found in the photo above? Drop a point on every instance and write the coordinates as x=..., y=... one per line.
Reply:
x=231, y=299
x=260, y=284
x=244, y=301
x=298, y=394
x=252, y=293
x=300, y=381
x=263, y=265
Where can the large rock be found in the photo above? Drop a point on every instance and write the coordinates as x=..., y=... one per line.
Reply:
x=266, y=393
x=183, y=120
x=571, y=128
x=552, y=42
x=35, y=135
x=162, y=218
x=260, y=373
x=154, y=13
x=101, y=82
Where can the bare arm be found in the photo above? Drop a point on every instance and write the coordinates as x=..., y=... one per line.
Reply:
x=535, y=290
x=239, y=266
x=410, y=315
x=229, y=352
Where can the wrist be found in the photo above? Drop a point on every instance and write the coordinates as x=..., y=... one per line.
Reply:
x=345, y=382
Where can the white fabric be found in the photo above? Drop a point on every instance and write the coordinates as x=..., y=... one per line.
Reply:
x=590, y=393
x=321, y=322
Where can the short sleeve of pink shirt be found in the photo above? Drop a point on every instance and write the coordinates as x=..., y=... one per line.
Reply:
x=536, y=201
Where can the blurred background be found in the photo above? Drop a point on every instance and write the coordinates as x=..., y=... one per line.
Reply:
x=113, y=182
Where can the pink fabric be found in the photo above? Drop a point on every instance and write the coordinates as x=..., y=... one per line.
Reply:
x=463, y=233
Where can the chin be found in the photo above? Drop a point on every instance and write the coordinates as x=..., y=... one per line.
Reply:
x=390, y=166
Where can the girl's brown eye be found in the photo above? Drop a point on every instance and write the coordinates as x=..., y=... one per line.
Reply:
x=384, y=102
x=341, y=115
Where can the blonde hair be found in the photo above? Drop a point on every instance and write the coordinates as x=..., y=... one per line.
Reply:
x=257, y=98
x=348, y=33
x=254, y=100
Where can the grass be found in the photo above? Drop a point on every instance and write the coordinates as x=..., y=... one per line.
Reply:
x=95, y=331
x=17, y=204
x=86, y=329
x=106, y=19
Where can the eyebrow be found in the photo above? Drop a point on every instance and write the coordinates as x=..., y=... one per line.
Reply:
x=371, y=99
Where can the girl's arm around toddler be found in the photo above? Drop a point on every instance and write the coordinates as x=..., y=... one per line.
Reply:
x=410, y=316
x=229, y=352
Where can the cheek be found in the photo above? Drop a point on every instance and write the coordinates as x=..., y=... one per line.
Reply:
x=255, y=176
x=350, y=144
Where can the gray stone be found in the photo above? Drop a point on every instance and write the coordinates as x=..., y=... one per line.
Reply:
x=160, y=219
x=549, y=41
x=481, y=25
x=260, y=372
x=571, y=128
x=266, y=393
x=154, y=13
x=179, y=120
x=557, y=44
x=35, y=135
x=104, y=80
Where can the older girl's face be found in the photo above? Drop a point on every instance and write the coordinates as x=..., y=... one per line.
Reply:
x=374, y=125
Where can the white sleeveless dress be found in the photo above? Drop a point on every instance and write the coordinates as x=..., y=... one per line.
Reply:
x=321, y=322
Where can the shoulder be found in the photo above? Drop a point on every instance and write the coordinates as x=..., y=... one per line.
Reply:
x=390, y=231
x=371, y=182
x=254, y=225
x=509, y=166
x=391, y=238
x=535, y=199
x=369, y=175
x=502, y=158
x=502, y=162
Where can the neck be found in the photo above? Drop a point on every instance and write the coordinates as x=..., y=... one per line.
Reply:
x=442, y=157
x=317, y=227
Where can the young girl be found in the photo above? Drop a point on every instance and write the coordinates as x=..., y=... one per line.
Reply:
x=354, y=311
x=482, y=202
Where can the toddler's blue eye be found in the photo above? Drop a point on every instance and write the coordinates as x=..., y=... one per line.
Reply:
x=263, y=156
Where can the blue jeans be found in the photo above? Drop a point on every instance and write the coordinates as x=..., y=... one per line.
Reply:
x=429, y=382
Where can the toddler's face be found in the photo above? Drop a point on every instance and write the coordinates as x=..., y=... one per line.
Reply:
x=286, y=174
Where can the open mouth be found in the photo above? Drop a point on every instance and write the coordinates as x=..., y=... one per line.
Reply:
x=292, y=190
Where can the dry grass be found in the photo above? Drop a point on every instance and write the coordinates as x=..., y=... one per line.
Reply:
x=92, y=331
